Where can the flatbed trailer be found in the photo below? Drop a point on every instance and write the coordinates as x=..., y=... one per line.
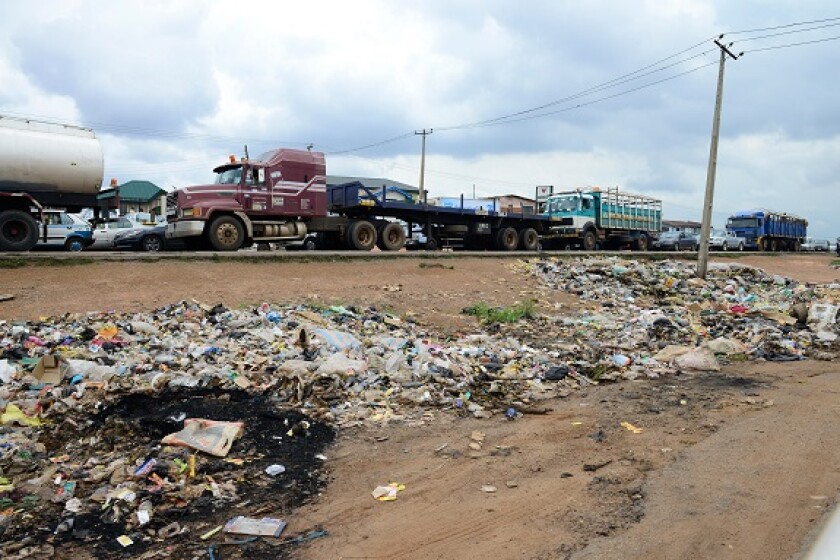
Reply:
x=456, y=227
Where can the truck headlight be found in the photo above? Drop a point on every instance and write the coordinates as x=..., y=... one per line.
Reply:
x=191, y=212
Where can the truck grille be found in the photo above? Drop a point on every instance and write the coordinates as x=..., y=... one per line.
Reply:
x=172, y=205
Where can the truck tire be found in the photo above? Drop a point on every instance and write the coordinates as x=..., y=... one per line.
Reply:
x=361, y=236
x=226, y=233
x=507, y=239
x=589, y=241
x=391, y=237
x=529, y=240
x=725, y=247
x=18, y=231
x=741, y=246
x=643, y=242
x=431, y=244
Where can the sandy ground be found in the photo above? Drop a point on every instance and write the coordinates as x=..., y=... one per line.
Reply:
x=737, y=464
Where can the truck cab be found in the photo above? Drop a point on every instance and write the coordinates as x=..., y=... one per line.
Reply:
x=262, y=199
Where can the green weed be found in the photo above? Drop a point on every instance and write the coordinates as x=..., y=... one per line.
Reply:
x=487, y=314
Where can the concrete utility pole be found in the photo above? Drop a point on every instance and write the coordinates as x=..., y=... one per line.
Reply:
x=706, y=226
x=423, y=133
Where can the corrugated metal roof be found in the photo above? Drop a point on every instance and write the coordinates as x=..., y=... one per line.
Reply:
x=135, y=191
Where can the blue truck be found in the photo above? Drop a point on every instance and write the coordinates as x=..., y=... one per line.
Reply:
x=765, y=230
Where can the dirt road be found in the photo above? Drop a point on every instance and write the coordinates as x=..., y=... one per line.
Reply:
x=741, y=463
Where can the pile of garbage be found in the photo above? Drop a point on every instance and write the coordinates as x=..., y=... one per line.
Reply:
x=650, y=317
x=171, y=431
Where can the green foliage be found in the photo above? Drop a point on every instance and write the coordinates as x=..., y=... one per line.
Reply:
x=512, y=314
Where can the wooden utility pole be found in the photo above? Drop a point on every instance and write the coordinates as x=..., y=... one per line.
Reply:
x=423, y=133
x=706, y=226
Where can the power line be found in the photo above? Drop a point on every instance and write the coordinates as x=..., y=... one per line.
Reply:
x=789, y=32
x=599, y=100
x=605, y=85
x=793, y=44
x=781, y=26
x=375, y=144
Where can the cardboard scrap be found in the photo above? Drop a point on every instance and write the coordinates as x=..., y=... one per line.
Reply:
x=211, y=436
x=48, y=369
x=265, y=527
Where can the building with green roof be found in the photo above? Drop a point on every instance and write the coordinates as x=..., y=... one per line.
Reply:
x=137, y=196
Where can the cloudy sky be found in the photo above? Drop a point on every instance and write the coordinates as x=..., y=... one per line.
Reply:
x=595, y=92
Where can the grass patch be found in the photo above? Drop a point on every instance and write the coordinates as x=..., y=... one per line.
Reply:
x=512, y=314
x=835, y=262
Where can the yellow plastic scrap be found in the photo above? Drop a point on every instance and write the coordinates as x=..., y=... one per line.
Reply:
x=631, y=427
x=211, y=532
x=15, y=414
x=108, y=332
x=387, y=493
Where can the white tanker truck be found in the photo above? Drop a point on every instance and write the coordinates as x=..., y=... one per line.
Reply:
x=44, y=165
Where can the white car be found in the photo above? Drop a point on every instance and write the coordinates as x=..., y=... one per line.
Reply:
x=104, y=233
x=726, y=240
x=812, y=244
x=67, y=231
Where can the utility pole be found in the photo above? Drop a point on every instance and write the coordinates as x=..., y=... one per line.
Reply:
x=423, y=133
x=703, y=254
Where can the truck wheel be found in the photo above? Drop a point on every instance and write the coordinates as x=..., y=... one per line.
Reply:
x=529, y=240
x=152, y=243
x=226, y=234
x=431, y=244
x=642, y=243
x=391, y=237
x=361, y=236
x=725, y=247
x=589, y=241
x=74, y=244
x=741, y=247
x=507, y=239
x=18, y=231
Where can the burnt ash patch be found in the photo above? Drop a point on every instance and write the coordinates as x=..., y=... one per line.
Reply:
x=133, y=427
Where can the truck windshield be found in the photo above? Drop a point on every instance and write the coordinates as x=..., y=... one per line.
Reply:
x=564, y=204
x=742, y=222
x=229, y=176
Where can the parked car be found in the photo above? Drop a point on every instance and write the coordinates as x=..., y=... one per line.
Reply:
x=64, y=231
x=150, y=239
x=726, y=240
x=676, y=241
x=812, y=244
x=308, y=243
x=104, y=233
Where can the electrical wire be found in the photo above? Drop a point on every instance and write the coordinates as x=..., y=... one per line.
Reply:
x=788, y=32
x=774, y=47
x=743, y=31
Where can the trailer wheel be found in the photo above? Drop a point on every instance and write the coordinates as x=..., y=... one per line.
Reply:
x=507, y=239
x=391, y=237
x=431, y=244
x=529, y=240
x=589, y=241
x=226, y=234
x=18, y=231
x=643, y=242
x=361, y=236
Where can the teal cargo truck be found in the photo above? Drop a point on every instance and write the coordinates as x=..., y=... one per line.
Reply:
x=592, y=218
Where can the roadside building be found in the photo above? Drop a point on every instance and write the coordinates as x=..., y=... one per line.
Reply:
x=137, y=196
x=677, y=225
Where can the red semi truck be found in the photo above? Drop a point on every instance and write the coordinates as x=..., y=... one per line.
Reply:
x=282, y=196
